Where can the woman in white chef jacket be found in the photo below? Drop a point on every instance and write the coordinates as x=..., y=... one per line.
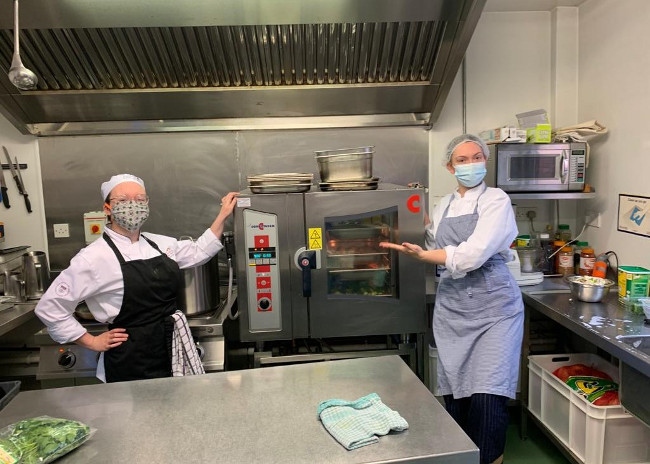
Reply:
x=129, y=281
x=478, y=314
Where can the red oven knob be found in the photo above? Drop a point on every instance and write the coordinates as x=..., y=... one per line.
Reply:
x=67, y=359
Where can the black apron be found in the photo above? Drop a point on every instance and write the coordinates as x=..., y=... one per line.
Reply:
x=150, y=289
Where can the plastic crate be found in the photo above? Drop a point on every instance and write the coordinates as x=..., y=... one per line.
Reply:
x=7, y=391
x=594, y=434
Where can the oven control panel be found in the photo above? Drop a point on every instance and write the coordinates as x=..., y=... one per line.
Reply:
x=263, y=271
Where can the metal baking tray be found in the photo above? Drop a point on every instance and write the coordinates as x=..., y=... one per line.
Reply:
x=281, y=178
x=368, y=184
x=354, y=231
x=287, y=188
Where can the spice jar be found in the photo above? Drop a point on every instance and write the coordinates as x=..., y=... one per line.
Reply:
x=587, y=260
x=563, y=232
x=565, y=261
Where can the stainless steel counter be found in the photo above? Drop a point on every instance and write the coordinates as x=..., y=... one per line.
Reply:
x=607, y=325
x=13, y=315
x=263, y=415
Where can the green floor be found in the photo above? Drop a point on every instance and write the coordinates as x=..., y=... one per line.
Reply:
x=536, y=449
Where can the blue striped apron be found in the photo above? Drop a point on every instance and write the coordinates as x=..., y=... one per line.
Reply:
x=477, y=321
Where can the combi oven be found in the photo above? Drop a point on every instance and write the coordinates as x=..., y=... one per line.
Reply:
x=309, y=264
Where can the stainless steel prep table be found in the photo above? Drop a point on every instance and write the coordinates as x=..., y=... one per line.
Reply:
x=258, y=415
x=607, y=325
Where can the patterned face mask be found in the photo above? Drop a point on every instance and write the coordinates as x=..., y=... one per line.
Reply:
x=130, y=215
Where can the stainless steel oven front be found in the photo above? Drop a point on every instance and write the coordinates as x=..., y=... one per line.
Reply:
x=309, y=264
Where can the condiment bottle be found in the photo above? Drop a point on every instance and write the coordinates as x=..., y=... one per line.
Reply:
x=565, y=261
x=563, y=232
x=577, y=249
x=600, y=266
x=547, y=265
x=587, y=261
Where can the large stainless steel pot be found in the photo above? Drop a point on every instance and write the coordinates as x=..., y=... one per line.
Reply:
x=37, y=274
x=200, y=291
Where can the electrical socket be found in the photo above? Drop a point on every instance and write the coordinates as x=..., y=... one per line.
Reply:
x=592, y=218
x=522, y=213
x=61, y=230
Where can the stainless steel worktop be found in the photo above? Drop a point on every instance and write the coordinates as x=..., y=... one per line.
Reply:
x=257, y=415
x=13, y=315
x=607, y=325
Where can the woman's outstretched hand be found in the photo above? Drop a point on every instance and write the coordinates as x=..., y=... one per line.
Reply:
x=409, y=249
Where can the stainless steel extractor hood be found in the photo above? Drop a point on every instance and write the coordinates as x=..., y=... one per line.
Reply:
x=125, y=66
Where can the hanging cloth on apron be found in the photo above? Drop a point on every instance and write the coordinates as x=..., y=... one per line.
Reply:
x=477, y=321
x=150, y=289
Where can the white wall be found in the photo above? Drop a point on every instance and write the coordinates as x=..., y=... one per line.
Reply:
x=614, y=88
x=21, y=227
x=580, y=63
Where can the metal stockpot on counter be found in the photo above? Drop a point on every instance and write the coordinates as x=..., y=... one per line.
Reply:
x=200, y=288
x=36, y=272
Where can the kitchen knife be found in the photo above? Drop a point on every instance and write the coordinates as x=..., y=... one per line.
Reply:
x=3, y=189
x=22, y=189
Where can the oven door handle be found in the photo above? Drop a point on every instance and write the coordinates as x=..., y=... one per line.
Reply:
x=307, y=262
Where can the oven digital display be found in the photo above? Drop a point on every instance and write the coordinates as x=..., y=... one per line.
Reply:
x=257, y=253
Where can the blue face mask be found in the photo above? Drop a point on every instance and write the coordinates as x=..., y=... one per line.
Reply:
x=471, y=174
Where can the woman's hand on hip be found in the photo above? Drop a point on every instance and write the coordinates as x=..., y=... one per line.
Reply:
x=104, y=341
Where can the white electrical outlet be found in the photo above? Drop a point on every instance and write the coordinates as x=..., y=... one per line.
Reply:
x=61, y=230
x=522, y=213
x=592, y=219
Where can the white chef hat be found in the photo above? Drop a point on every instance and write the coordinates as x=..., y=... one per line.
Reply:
x=462, y=139
x=119, y=179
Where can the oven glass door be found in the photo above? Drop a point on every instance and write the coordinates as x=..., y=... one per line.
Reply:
x=360, y=288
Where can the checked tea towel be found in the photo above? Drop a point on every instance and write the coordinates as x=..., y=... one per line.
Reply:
x=357, y=423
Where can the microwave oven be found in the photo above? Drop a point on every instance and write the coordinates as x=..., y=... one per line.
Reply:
x=537, y=167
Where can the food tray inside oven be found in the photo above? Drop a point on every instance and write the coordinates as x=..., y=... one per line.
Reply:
x=355, y=231
x=358, y=261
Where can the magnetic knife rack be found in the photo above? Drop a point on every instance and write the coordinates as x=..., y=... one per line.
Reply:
x=20, y=166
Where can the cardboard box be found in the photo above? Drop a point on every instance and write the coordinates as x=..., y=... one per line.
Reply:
x=503, y=134
x=539, y=134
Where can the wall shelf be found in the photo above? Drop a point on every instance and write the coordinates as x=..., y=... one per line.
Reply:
x=552, y=195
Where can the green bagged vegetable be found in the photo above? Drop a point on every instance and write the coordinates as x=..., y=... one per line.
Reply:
x=40, y=440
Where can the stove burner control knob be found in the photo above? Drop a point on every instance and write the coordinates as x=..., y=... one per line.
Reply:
x=67, y=359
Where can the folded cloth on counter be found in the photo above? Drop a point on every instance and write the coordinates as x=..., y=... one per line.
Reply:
x=357, y=423
x=185, y=357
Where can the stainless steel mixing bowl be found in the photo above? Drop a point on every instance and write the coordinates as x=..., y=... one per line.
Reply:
x=589, y=289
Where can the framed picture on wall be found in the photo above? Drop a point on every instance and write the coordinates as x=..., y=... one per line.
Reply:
x=633, y=216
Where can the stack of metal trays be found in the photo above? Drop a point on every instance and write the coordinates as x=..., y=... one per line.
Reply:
x=283, y=182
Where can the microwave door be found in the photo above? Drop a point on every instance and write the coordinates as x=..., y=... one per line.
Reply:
x=532, y=171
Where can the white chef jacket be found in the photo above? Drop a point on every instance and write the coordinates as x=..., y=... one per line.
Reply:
x=94, y=275
x=494, y=233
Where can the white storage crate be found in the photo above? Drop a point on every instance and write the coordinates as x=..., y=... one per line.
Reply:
x=595, y=434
